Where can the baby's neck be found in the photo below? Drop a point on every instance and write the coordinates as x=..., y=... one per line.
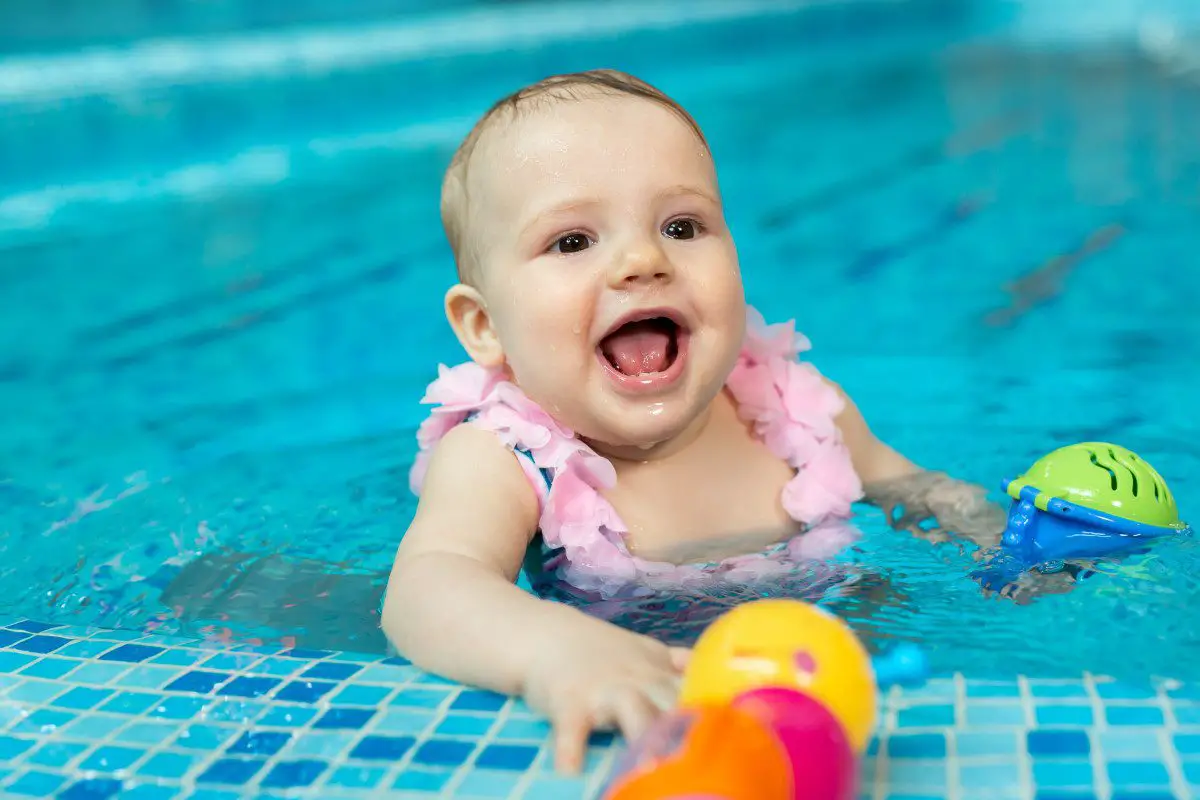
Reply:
x=657, y=451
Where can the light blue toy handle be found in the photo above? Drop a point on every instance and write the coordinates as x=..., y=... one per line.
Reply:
x=903, y=665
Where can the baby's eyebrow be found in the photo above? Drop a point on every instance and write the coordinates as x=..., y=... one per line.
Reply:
x=684, y=189
x=564, y=207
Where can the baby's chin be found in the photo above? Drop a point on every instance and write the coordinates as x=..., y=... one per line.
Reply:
x=637, y=433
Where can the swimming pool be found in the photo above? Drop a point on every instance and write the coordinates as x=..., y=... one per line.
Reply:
x=222, y=264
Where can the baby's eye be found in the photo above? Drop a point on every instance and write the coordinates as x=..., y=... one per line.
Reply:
x=571, y=243
x=681, y=229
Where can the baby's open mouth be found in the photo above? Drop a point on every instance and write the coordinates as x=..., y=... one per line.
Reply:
x=643, y=347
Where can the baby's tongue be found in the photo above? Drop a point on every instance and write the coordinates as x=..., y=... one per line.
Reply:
x=638, y=347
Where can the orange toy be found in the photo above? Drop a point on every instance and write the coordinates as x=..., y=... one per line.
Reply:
x=705, y=752
x=790, y=644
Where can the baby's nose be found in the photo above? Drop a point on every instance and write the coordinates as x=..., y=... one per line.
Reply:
x=642, y=264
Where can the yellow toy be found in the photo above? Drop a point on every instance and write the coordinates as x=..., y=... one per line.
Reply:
x=789, y=644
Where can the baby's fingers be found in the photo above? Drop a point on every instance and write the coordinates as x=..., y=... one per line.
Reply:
x=634, y=713
x=680, y=656
x=571, y=730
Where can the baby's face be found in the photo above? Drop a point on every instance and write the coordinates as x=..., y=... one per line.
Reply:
x=608, y=272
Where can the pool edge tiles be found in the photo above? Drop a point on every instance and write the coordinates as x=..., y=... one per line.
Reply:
x=93, y=713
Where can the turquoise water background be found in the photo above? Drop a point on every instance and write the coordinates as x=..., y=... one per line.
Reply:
x=221, y=270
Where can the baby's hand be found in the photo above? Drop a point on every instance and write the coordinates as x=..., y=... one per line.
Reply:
x=957, y=508
x=602, y=679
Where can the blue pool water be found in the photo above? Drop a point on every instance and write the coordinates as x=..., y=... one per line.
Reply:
x=221, y=269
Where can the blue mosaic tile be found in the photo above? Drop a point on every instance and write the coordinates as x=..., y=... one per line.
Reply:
x=277, y=667
x=399, y=721
x=464, y=725
x=1128, y=745
x=247, y=686
x=111, y=757
x=178, y=658
x=918, y=776
x=9, y=638
x=36, y=784
x=344, y=718
x=41, y=644
x=230, y=770
x=44, y=721
x=1133, y=715
x=204, y=737
x=1057, y=743
x=91, y=789
x=1065, y=715
x=1187, y=744
x=197, y=681
x=385, y=747
x=1187, y=715
x=145, y=677
x=98, y=673
x=177, y=707
x=131, y=653
x=984, y=690
x=1058, y=691
x=171, y=766
x=240, y=711
x=289, y=774
x=13, y=746
x=556, y=789
x=50, y=668
x=1063, y=774
x=443, y=752
x=478, y=701
x=287, y=716
x=131, y=703
x=304, y=691
x=325, y=745
x=96, y=727
x=926, y=716
x=32, y=626
x=147, y=733
x=330, y=671
x=507, y=757
x=149, y=791
x=483, y=783
x=1123, y=691
x=420, y=698
x=416, y=780
x=1137, y=773
x=356, y=777
x=974, y=777
x=84, y=649
x=917, y=745
x=35, y=692
x=56, y=754
x=259, y=743
x=11, y=661
x=83, y=697
x=531, y=729
x=229, y=662
x=360, y=695
x=308, y=655
x=995, y=714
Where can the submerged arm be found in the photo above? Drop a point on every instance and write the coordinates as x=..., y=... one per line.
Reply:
x=909, y=494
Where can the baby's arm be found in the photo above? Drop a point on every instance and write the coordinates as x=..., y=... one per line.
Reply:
x=909, y=494
x=452, y=607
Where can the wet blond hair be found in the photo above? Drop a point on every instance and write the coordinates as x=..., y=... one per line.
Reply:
x=556, y=88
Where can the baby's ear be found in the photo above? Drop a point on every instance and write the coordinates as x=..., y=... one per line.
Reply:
x=468, y=316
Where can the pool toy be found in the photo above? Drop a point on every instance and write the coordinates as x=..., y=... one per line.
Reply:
x=785, y=643
x=1083, y=501
x=718, y=752
x=783, y=669
x=823, y=764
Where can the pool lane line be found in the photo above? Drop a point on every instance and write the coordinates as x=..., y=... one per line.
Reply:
x=1047, y=282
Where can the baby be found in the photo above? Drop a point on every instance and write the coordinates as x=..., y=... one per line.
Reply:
x=625, y=422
